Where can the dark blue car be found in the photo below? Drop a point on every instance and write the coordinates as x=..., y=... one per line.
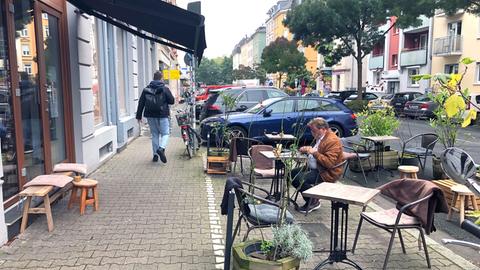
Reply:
x=287, y=114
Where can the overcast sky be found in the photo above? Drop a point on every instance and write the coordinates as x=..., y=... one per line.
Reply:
x=227, y=21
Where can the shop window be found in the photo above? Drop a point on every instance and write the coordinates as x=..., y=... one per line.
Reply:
x=96, y=88
x=412, y=72
x=120, y=44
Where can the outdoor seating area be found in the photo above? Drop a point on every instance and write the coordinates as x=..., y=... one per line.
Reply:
x=365, y=165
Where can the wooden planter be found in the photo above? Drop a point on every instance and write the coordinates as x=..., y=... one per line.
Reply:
x=243, y=261
x=390, y=161
x=217, y=161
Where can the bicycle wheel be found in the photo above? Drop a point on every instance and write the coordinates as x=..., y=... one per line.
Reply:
x=196, y=136
x=186, y=140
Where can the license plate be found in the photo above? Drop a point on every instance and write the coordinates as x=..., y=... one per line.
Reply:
x=398, y=104
x=414, y=107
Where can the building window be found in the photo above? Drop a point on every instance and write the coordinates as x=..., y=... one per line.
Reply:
x=96, y=89
x=478, y=73
x=412, y=72
x=45, y=16
x=394, y=60
x=455, y=28
x=47, y=31
x=24, y=33
x=451, y=68
x=121, y=72
x=27, y=68
x=423, y=42
x=25, y=50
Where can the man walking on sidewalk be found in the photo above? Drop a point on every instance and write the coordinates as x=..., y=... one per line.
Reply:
x=155, y=99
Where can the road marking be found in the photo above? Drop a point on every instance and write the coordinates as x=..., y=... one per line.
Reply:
x=215, y=226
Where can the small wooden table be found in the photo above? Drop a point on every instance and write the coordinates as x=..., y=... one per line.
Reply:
x=340, y=196
x=280, y=168
x=379, y=143
x=84, y=186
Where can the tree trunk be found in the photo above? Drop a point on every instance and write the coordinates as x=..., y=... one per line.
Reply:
x=359, y=77
x=280, y=80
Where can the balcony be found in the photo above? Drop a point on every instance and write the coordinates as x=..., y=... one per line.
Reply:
x=449, y=45
x=422, y=27
x=413, y=57
x=375, y=62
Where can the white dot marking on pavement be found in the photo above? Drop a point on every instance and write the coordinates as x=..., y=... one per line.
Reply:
x=215, y=226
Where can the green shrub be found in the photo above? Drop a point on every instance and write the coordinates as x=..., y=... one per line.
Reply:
x=357, y=105
x=291, y=240
x=378, y=122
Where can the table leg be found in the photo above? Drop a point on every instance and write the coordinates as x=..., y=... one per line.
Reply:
x=338, y=237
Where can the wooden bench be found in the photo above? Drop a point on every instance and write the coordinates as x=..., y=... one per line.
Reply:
x=446, y=187
x=49, y=195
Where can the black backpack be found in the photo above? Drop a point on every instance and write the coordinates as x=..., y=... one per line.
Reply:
x=155, y=103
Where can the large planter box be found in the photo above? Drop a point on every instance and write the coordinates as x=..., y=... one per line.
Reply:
x=242, y=260
x=390, y=161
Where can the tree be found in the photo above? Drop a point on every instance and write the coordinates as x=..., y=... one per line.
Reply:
x=451, y=6
x=282, y=56
x=247, y=73
x=215, y=71
x=338, y=28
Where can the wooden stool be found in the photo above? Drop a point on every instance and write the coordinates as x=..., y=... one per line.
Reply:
x=408, y=171
x=37, y=191
x=464, y=195
x=84, y=186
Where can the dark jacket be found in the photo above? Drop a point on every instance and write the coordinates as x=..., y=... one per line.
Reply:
x=409, y=190
x=231, y=183
x=155, y=99
x=329, y=155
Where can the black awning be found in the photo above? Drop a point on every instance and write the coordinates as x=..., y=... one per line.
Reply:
x=183, y=30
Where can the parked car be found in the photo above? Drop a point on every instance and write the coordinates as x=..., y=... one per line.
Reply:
x=341, y=95
x=245, y=98
x=399, y=100
x=287, y=114
x=382, y=102
x=366, y=96
x=420, y=107
x=204, y=91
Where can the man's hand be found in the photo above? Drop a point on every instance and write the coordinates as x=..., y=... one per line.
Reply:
x=306, y=149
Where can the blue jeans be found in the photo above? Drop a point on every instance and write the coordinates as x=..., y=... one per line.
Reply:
x=160, y=129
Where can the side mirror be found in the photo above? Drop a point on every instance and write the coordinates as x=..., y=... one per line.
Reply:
x=242, y=108
x=267, y=113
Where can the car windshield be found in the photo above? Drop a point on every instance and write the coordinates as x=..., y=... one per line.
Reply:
x=260, y=106
x=352, y=97
x=390, y=96
x=233, y=93
x=422, y=99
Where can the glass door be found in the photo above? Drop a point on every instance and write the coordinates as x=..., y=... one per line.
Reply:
x=30, y=96
x=52, y=85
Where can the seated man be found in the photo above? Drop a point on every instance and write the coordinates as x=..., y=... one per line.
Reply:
x=323, y=159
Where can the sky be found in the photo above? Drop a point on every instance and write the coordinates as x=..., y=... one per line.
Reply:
x=227, y=21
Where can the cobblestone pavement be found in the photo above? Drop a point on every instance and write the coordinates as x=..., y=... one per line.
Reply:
x=156, y=216
x=152, y=216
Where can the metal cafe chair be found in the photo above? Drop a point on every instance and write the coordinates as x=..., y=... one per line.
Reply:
x=393, y=221
x=239, y=147
x=256, y=211
x=427, y=143
x=350, y=153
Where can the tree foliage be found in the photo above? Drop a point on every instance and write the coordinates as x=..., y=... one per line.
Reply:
x=283, y=57
x=451, y=6
x=339, y=28
x=215, y=71
x=248, y=73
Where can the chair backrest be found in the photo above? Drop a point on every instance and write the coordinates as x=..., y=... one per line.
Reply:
x=460, y=166
x=242, y=200
x=242, y=145
x=260, y=161
x=429, y=140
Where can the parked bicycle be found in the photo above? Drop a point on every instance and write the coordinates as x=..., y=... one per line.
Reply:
x=185, y=119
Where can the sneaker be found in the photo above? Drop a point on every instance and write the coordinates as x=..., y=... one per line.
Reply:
x=155, y=158
x=313, y=206
x=161, y=153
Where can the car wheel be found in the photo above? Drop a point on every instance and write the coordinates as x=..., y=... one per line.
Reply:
x=236, y=131
x=337, y=130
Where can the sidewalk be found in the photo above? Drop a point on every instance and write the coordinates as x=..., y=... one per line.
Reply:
x=152, y=216
x=166, y=216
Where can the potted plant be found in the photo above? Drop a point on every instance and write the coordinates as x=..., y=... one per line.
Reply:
x=289, y=246
x=380, y=123
x=451, y=113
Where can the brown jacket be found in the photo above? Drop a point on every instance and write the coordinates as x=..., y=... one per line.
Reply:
x=329, y=155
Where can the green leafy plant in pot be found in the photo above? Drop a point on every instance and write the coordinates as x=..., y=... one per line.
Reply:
x=220, y=131
x=451, y=113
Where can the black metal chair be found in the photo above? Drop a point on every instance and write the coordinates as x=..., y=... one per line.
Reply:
x=427, y=143
x=239, y=147
x=260, y=166
x=256, y=211
x=350, y=153
x=393, y=220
